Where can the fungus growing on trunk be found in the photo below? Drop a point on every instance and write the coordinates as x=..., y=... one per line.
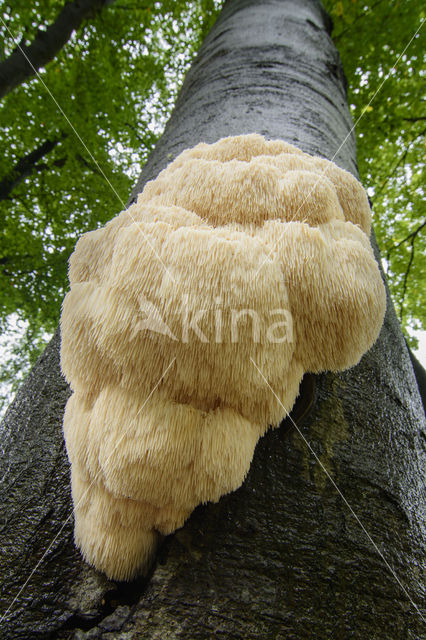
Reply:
x=240, y=253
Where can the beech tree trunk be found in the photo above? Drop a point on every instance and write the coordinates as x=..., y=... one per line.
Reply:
x=283, y=557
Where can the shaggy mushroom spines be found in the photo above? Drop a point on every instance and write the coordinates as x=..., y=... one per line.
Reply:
x=244, y=230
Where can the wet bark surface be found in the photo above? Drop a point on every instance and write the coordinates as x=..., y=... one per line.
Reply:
x=283, y=557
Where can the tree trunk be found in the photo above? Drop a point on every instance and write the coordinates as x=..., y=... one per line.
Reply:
x=283, y=557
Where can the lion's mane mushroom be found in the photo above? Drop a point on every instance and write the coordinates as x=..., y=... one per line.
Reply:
x=225, y=238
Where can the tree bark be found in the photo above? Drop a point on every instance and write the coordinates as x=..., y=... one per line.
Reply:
x=420, y=374
x=283, y=557
x=25, y=60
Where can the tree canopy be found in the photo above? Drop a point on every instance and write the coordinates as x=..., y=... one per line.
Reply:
x=76, y=135
x=381, y=43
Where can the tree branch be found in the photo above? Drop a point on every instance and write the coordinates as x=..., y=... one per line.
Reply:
x=410, y=262
x=24, y=62
x=88, y=165
x=6, y=259
x=27, y=165
x=413, y=233
x=400, y=160
x=410, y=235
x=358, y=17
